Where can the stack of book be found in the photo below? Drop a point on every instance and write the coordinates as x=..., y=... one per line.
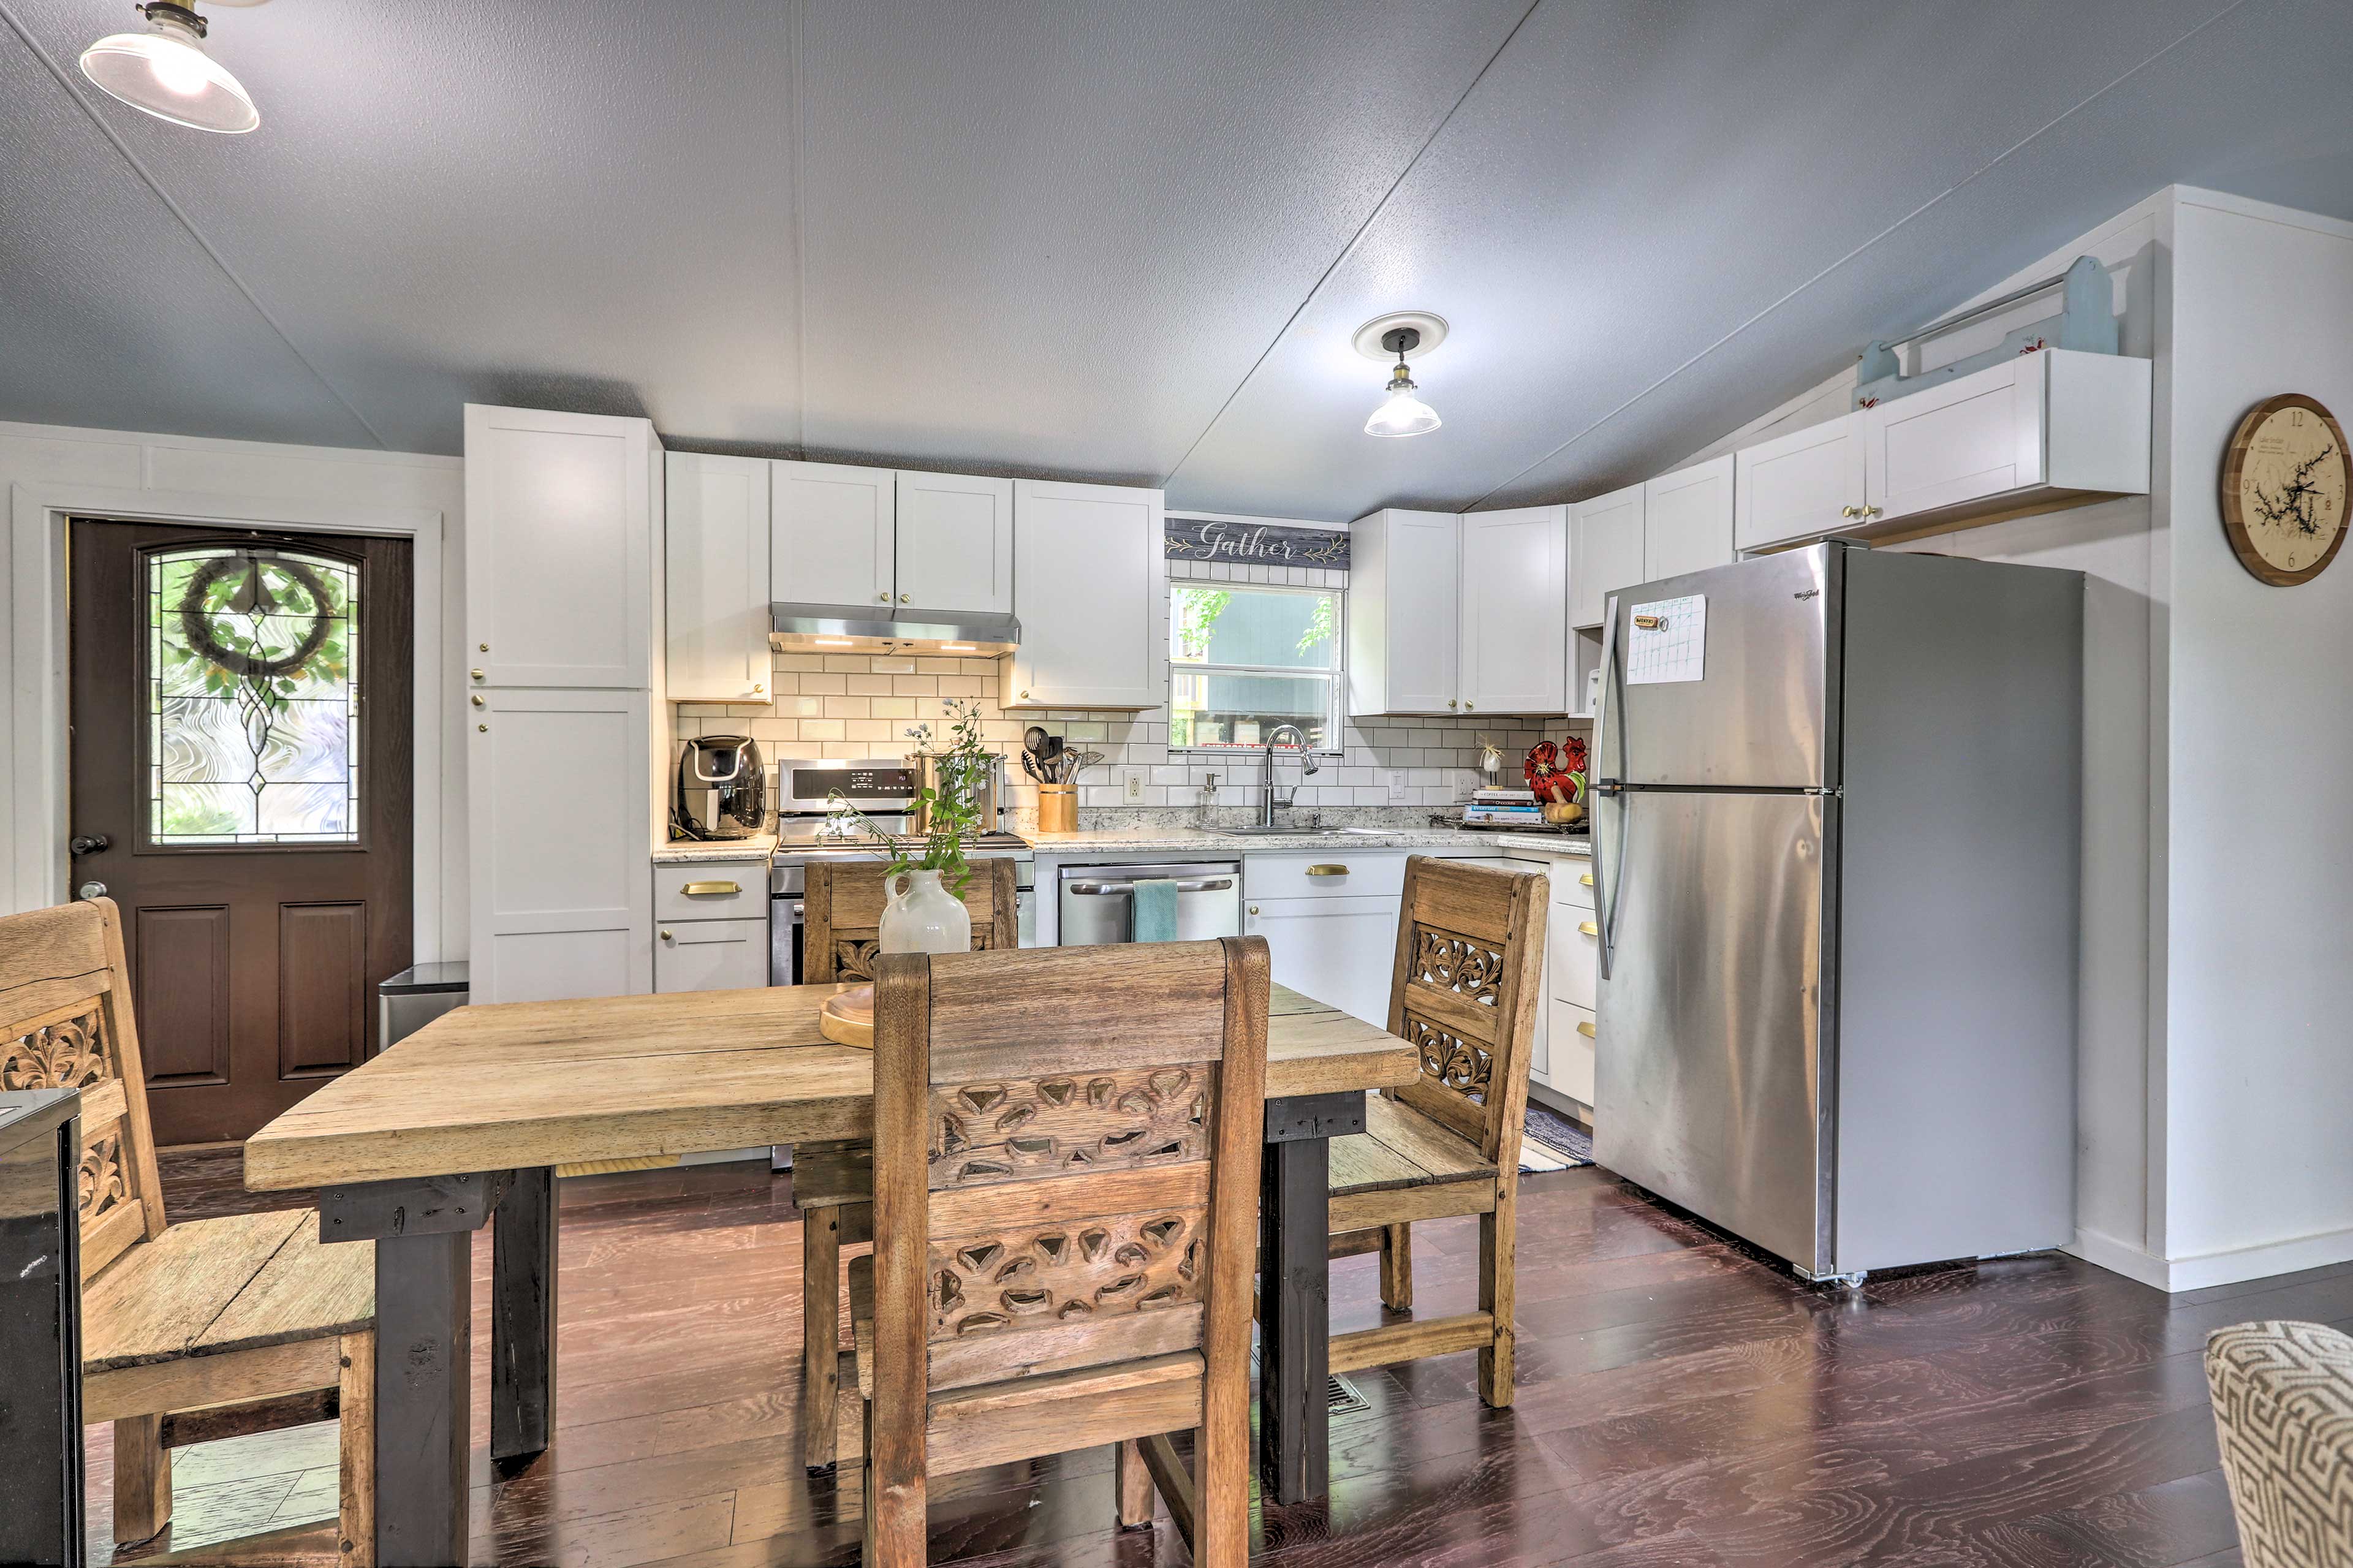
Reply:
x=1492, y=806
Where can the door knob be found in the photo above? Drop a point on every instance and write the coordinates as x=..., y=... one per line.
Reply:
x=90, y=890
x=87, y=843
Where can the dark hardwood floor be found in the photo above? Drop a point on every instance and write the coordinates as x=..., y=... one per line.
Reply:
x=1680, y=1403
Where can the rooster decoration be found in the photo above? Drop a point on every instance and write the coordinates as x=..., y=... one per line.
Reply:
x=1557, y=773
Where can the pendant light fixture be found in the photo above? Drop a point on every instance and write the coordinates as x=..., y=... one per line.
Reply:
x=166, y=71
x=1395, y=336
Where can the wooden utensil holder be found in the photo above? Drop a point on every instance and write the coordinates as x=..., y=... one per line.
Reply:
x=1058, y=808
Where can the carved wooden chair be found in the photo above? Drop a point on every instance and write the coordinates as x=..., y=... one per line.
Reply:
x=1470, y=959
x=1071, y=1194
x=206, y=1329
x=833, y=1182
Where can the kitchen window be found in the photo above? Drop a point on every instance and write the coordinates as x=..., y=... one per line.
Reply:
x=1244, y=658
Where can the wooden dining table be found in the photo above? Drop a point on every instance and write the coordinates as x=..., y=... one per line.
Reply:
x=463, y=1123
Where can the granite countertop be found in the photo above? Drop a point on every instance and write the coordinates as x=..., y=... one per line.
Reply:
x=697, y=852
x=1191, y=840
x=1579, y=845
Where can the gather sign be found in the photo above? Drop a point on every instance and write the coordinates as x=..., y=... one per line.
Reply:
x=1256, y=543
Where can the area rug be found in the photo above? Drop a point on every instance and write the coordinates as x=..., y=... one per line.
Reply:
x=1551, y=1142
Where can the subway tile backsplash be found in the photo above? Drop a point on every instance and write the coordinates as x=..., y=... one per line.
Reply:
x=861, y=705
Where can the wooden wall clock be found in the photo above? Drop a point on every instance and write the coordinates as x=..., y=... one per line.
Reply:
x=2285, y=487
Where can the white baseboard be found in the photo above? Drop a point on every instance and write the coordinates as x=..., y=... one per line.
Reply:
x=2226, y=1267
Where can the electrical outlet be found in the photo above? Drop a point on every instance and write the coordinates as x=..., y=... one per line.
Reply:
x=1394, y=779
x=1131, y=783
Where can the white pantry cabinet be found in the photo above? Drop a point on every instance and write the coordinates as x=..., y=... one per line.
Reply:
x=710, y=955
x=1089, y=576
x=1687, y=520
x=716, y=546
x=1454, y=613
x=563, y=582
x=1515, y=624
x=831, y=533
x=1804, y=485
x=1605, y=552
x=561, y=804
x=953, y=545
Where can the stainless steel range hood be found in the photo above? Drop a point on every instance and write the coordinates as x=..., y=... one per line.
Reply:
x=848, y=630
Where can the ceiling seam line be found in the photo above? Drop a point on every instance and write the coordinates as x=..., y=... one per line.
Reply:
x=1355, y=239
x=794, y=167
x=89, y=111
x=1971, y=178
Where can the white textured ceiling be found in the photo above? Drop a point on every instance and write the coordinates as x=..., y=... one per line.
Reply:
x=1119, y=240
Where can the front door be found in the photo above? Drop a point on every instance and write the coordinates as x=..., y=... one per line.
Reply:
x=240, y=786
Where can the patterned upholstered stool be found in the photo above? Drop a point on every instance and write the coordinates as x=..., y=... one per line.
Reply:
x=2283, y=1410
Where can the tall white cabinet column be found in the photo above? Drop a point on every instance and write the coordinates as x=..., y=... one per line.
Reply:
x=566, y=738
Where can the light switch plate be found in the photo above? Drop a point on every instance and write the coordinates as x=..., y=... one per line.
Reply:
x=1130, y=786
x=1393, y=780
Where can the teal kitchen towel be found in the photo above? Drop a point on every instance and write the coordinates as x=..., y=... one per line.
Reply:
x=1155, y=908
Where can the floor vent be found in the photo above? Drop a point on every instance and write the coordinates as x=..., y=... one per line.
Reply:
x=1341, y=1398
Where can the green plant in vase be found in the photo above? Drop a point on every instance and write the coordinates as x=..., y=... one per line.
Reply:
x=952, y=807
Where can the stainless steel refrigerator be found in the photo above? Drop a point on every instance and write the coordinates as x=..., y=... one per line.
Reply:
x=1838, y=797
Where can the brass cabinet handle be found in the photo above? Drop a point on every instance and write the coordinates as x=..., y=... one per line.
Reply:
x=1850, y=511
x=665, y=935
x=1586, y=928
x=1327, y=870
x=903, y=598
x=881, y=598
x=759, y=686
x=477, y=674
x=1024, y=696
x=696, y=890
x=1586, y=880
x=478, y=701
x=1585, y=1027
x=1470, y=707
x=1449, y=703
x=1253, y=909
x=1868, y=512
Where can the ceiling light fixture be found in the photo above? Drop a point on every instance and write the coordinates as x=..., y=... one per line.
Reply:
x=1395, y=336
x=166, y=72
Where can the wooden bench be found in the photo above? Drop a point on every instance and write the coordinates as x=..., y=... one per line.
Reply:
x=192, y=1331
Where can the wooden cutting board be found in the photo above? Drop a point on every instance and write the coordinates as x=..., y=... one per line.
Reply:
x=848, y=1019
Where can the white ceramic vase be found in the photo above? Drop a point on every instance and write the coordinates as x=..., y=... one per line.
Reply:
x=924, y=917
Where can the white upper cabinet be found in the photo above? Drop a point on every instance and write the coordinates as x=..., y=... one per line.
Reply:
x=1687, y=520
x=1088, y=577
x=2044, y=430
x=716, y=543
x=2037, y=429
x=1405, y=608
x=563, y=581
x=955, y=543
x=1515, y=611
x=1605, y=552
x=1803, y=485
x=831, y=540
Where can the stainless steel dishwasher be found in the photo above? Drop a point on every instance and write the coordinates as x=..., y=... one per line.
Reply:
x=1097, y=903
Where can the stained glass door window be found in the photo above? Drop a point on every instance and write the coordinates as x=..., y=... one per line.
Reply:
x=253, y=697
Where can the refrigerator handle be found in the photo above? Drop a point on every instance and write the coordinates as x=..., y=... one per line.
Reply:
x=1610, y=719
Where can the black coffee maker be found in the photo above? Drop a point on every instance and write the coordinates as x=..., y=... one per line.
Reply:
x=722, y=790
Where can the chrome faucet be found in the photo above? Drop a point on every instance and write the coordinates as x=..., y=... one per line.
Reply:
x=1306, y=766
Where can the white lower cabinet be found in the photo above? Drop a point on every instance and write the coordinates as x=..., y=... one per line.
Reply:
x=710, y=955
x=1571, y=975
x=1339, y=951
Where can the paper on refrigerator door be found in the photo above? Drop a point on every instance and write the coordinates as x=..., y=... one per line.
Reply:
x=1666, y=640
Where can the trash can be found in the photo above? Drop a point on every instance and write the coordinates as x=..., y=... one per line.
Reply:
x=414, y=997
